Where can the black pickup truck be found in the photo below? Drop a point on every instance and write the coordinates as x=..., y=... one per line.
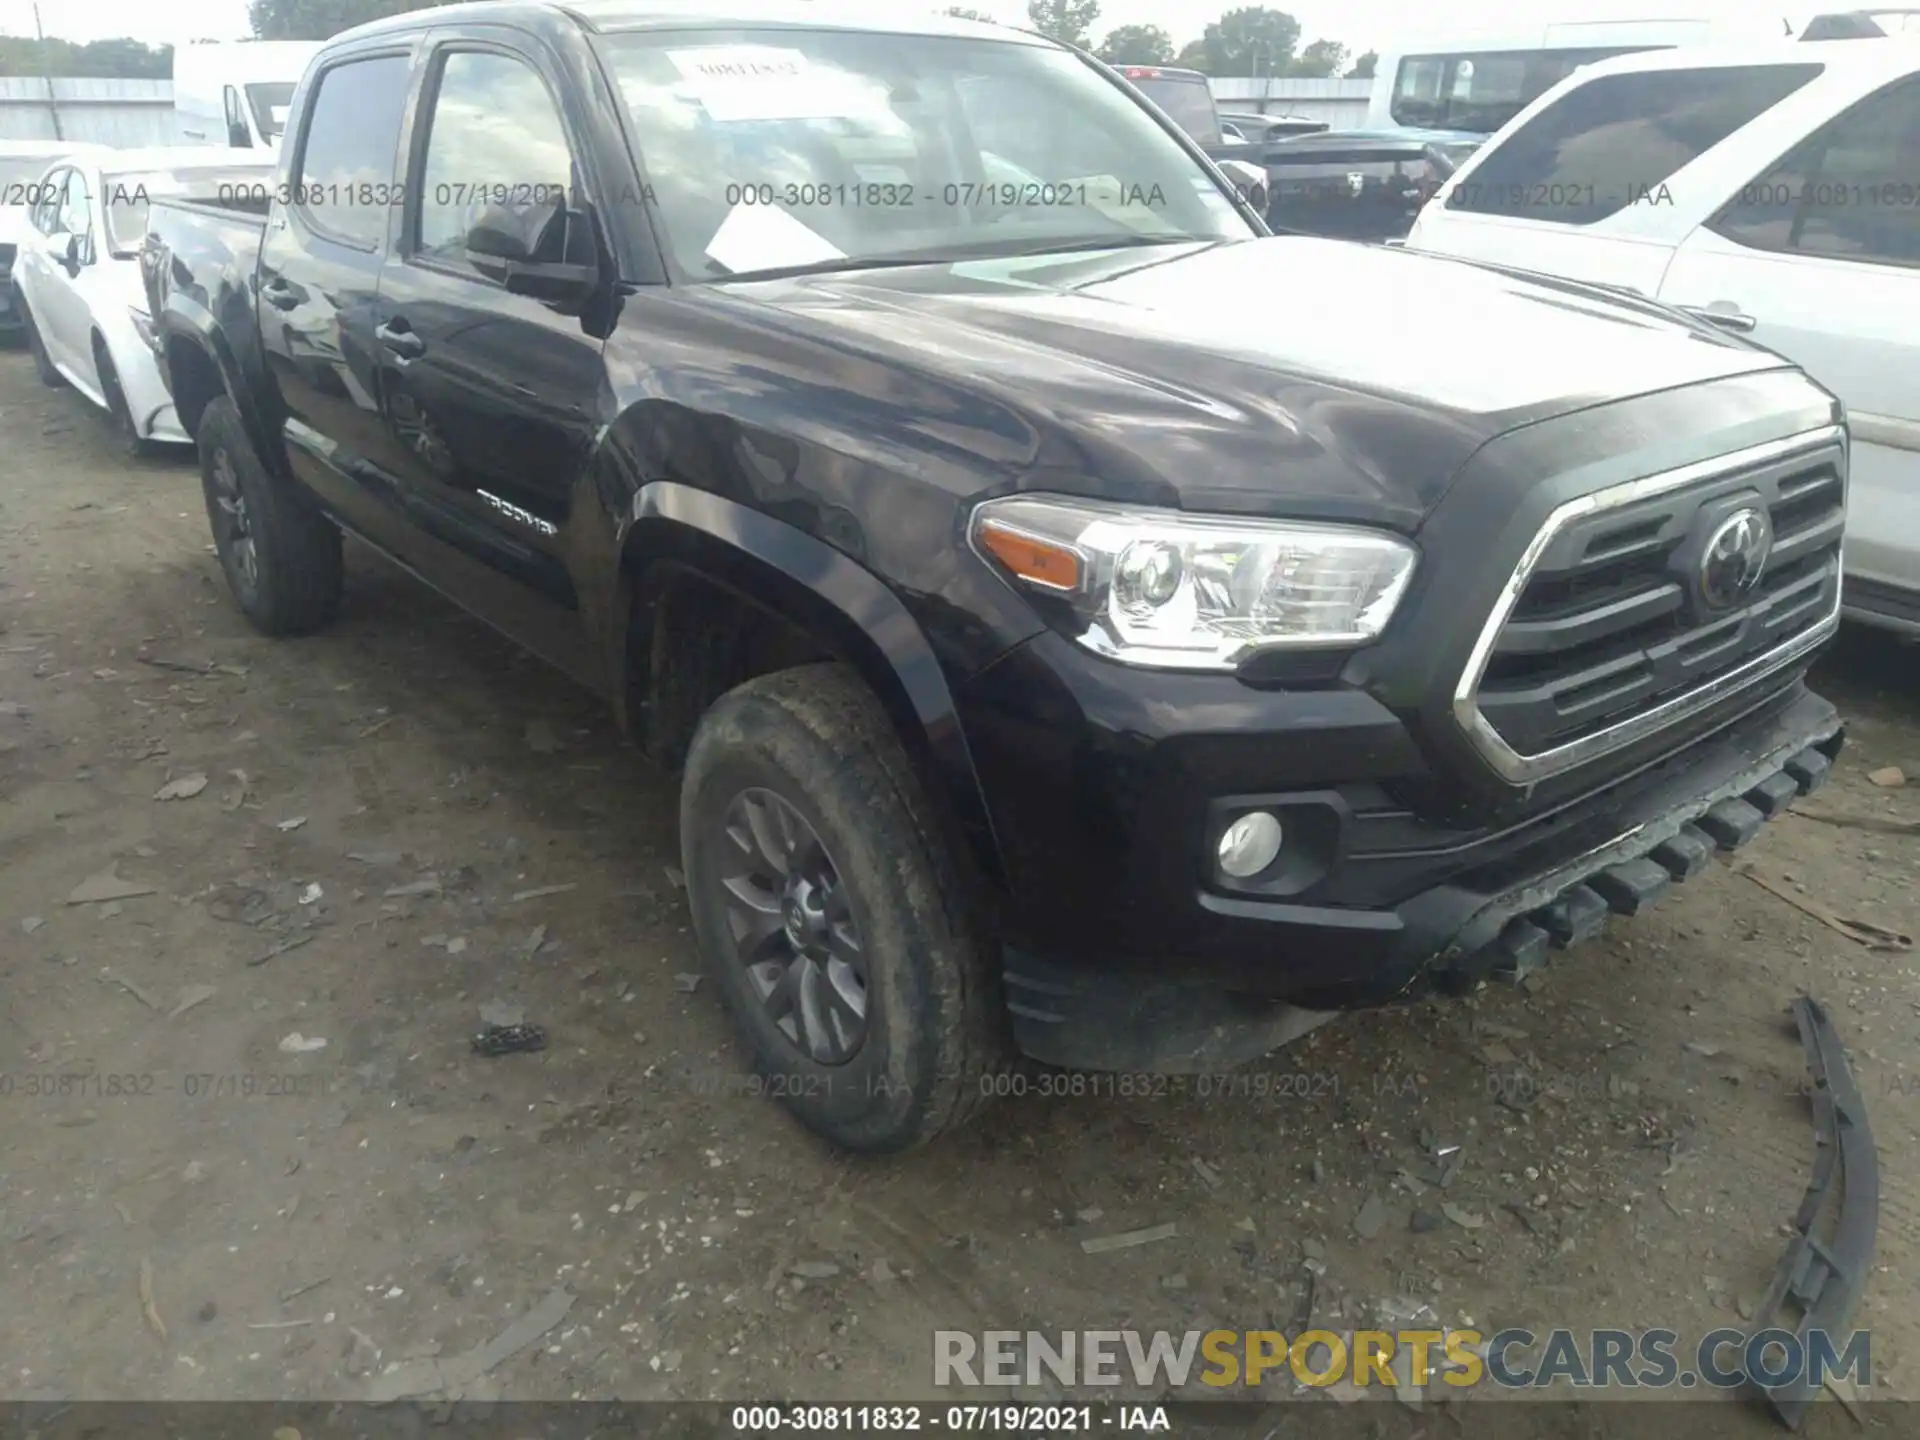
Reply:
x=1061, y=650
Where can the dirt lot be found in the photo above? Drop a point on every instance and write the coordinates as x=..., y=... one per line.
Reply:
x=383, y=807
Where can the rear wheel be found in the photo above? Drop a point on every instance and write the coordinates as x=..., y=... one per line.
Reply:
x=42, y=361
x=281, y=555
x=830, y=914
x=131, y=440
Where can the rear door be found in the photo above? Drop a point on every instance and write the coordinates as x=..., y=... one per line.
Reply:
x=319, y=275
x=492, y=396
x=1581, y=188
x=1818, y=257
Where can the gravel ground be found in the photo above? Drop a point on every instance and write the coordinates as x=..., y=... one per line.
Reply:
x=288, y=1171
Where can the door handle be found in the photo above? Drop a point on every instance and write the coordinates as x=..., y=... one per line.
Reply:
x=279, y=294
x=398, y=337
x=1725, y=314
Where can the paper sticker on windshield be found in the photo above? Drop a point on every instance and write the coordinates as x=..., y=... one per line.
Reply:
x=765, y=237
x=766, y=82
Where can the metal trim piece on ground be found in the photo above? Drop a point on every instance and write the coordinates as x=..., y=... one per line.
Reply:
x=1824, y=1277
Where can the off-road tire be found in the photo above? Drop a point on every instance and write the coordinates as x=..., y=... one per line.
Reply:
x=936, y=1029
x=297, y=571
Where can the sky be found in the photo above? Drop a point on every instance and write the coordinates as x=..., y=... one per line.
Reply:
x=1358, y=24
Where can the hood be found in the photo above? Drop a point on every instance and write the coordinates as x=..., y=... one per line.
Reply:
x=14, y=225
x=1287, y=373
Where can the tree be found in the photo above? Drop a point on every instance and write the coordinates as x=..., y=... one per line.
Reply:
x=104, y=59
x=1137, y=45
x=1363, y=67
x=321, y=19
x=1319, y=60
x=1068, y=21
x=1252, y=40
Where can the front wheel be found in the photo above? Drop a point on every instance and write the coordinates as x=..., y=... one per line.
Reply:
x=125, y=426
x=830, y=914
x=281, y=555
x=42, y=362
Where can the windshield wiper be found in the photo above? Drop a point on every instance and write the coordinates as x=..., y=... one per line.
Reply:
x=982, y=250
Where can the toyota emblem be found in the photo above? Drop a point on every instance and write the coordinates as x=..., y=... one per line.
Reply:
x=1735, y=554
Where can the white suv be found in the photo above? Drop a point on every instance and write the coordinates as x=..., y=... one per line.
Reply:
x=1773, y=190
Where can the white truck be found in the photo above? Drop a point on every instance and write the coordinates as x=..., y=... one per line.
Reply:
x=236, y=93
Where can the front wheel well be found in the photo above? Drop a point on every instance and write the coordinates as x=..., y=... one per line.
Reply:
x=691, y=639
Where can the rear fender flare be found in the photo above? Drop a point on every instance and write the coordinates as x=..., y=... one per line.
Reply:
x=186, y=323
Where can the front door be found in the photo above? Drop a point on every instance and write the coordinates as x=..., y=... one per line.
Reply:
x=59, y=312
x=319, y=273
x=491, y=399
x=1819, y=259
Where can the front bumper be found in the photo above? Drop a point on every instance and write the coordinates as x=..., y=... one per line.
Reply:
x=1105, y=790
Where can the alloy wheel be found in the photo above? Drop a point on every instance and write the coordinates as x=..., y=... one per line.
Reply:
x=235, y=535
x=793, y=927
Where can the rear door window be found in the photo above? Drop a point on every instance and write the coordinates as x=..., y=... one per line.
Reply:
x=1604, y=145
x=1849, y=192
x=346, y=162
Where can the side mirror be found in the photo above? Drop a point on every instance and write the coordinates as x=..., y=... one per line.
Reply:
x=544, y=251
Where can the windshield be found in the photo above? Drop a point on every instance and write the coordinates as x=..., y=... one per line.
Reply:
x=127, y=194
x=1188, y=101
x=1483, y=92
x=270, y=103
x=767, y=150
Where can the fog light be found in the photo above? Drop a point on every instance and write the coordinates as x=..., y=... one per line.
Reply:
x=1250, y=844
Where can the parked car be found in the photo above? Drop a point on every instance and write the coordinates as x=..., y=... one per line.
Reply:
x=1358, y=184
x=23, y=165
x=1862, y=25
x=1056, y=652
x=1254, y=128
x=1770, y=189
x=77, y=277
x=235, y=93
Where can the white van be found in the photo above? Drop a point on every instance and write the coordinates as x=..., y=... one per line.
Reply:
x=236, y=93
x=1476, y=82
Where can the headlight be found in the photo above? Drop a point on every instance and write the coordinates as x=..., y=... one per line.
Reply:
x=143, y=323
x=1187, y=592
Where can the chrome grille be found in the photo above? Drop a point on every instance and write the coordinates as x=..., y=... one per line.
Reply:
x=1602, y=635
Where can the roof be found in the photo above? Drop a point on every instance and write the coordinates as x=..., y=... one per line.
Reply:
x=50, y=149
x=1892, y=55
x=155, y=158
x=611, y=16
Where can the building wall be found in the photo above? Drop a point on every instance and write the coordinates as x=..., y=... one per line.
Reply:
x=106, y=112
x=1341, y=103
